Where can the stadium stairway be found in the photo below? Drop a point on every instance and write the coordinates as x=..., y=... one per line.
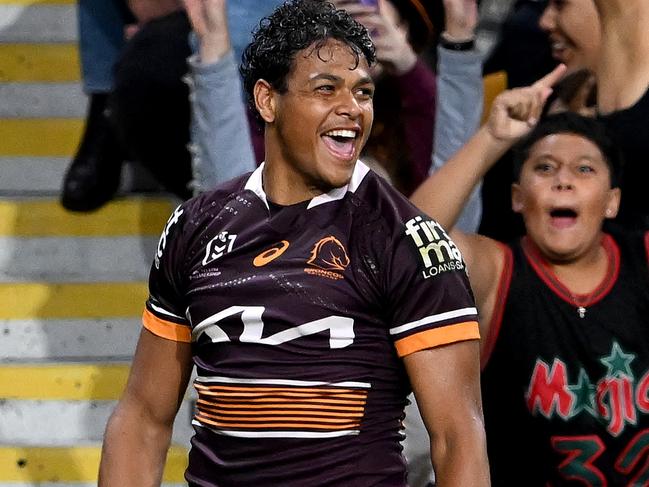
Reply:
x=72, y=286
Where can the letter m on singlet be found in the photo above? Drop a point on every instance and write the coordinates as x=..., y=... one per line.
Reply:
x=548, y=392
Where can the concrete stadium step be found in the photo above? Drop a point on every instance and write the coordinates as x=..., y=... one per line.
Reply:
x=32, y=175
x=79, y=259
x=27, y=300
x=57, y=465
x=27, y=62
x=30, y=422
x=40, y=137
x=44, y=217
x=68, y=339
x=42, y=100
x=37, y=21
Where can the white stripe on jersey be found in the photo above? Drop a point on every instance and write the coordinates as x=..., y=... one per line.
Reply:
x=434, y=319
x=279, y=434
x=164, y=311
x=283, y=382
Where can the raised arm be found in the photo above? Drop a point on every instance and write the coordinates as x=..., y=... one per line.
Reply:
x=139, y=430
x=623, y=68
x=443, y=195
x=221, y=144
x=459, y=96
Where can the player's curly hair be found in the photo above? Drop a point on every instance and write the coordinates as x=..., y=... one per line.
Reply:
x=293, y=26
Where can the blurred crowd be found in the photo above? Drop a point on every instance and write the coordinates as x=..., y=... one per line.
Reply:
x=459, y=85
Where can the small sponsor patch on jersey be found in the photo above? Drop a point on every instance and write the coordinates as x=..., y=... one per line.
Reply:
x=437, y=251
x=267, y=256
x=328, y=259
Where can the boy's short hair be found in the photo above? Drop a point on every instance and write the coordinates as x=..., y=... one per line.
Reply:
x=571, y=123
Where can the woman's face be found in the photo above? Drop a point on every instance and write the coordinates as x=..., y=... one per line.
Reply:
x=574, y=32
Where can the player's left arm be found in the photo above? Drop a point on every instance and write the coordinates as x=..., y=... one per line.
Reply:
x=446, y=383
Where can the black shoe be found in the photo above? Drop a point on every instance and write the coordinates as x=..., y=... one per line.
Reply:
x=93, y=177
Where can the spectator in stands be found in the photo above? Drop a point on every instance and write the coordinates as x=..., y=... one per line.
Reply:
x=457, y=117
x=147, y=115
x=610, y=38
x=563, y=310
x=94, y=174
x=402, y=137
x=220, y=133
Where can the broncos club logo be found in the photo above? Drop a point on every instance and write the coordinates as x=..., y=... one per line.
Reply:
x=328, y=259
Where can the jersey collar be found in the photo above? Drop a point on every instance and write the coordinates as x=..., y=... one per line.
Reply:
x=255, y=185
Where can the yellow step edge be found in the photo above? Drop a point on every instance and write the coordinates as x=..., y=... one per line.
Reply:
x=47, y=218
x=40, y=137
x=39, y=62
x=71, y=382
x=20, y=301
x=38, y=2
x=71, y=464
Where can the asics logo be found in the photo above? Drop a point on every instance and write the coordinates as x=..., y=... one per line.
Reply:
x=270, y=255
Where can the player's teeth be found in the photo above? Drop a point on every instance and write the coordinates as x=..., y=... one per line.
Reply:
x=341, y=133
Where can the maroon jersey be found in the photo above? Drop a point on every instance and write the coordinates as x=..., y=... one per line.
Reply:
x=298, y=317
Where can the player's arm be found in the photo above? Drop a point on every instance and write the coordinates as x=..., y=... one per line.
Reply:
x=623, y=67
x=446, y=383
x=139, y=430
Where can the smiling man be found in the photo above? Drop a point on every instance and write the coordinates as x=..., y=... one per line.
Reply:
x=310, y=296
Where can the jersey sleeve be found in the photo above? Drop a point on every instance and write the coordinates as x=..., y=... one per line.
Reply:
x=164, y=314
x=431, y=302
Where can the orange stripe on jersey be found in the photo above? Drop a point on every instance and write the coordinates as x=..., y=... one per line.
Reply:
x=331, y=390
x=244, y=395
x=205, y=409
x=277, y=416
x=166, y=329
x=438, y=336
x=318, y=407
x=255, y=408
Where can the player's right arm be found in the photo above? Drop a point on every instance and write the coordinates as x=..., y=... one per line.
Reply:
x=139, y=430
x=443, y=195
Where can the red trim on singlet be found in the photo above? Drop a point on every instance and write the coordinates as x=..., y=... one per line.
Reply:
x=544, y=271
x=646, y=244
x=499, y=306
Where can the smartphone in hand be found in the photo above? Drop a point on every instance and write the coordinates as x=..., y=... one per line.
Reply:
x=370, y=3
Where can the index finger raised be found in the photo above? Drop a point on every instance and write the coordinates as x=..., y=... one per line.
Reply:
x=551, y=78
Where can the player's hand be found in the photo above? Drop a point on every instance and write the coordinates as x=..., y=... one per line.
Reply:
x=461, y=19
x=515, y=112
x=209, y=22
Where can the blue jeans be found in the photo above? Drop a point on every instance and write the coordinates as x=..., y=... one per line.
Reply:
x=101, y=35
x=101, y=38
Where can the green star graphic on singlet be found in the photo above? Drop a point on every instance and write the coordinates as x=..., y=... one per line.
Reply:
x=618, y=363
x=584, y=393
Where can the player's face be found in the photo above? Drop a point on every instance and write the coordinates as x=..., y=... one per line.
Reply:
x=564, y=195
x=574, y=32
x=323, y=120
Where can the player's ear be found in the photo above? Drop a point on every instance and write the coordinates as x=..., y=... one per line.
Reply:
x=265, y=100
